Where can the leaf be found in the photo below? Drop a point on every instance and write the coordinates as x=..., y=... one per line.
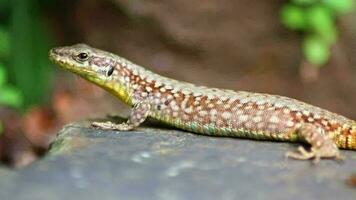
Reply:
x=293, y=17
x=304, y=2
x=319, y=19
x=10, y=96
x=340, y=6
x=316, y=50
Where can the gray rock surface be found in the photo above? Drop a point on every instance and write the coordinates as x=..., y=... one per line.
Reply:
x=152, y=163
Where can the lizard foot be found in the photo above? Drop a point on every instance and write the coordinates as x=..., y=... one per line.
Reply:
x=322, y=146
x=315, y=153
x=111, y=126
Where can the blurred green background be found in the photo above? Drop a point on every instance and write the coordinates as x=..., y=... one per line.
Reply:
x=299, y=48
x=24, y=42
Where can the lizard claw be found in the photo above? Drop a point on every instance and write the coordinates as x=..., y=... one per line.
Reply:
x=315, y=153
x=301, y=154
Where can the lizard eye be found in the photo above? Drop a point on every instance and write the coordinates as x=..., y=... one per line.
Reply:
x=110, y=71
x=82, y=56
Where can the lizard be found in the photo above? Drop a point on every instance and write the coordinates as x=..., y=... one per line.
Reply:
x=209, y=111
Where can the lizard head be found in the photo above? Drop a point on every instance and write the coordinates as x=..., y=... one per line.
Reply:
x=94, y=65
x=84, y=60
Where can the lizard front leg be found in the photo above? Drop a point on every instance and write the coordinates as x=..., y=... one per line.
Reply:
x=322, y=146
x=138, y=115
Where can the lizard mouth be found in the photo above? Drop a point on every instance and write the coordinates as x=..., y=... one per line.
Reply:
x=60, y=57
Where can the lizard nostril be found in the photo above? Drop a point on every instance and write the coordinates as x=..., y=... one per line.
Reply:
x=55, y=51
x=52, y=52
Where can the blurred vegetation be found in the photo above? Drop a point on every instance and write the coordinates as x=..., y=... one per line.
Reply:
x=317, y=19
x=25, y=72
x=10, y=95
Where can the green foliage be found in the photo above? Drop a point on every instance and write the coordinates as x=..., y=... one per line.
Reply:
x=319, y=18
x=3, y=78
x=340, y=6
x=316, y=50
x=4, y=43
x=9, y=96
x=24, y=46
x=4, y=3
x=322, y=23
x=293, y=17
x=304, y=2
x=315, y=18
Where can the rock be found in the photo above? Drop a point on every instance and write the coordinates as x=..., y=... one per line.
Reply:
x=159, y=163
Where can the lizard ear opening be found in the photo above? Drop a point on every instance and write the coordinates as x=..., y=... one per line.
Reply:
x=110, y=71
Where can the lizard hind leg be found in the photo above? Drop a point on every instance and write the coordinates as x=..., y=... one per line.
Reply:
x=322, y=146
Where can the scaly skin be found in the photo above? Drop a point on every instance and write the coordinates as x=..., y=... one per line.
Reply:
x=209, y=111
